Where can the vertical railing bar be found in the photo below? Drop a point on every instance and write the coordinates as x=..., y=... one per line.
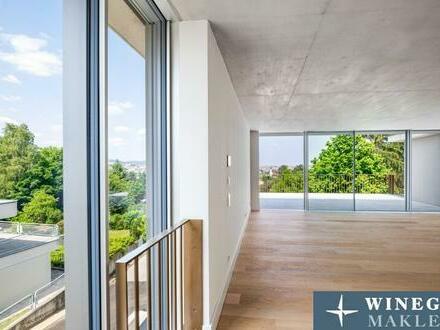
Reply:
x=150, y=310
x=174, y=281
x=136, y=292
x=168, y=282
x=121, y=296
x=354, y=171
x=159, y=246
x=181, y=277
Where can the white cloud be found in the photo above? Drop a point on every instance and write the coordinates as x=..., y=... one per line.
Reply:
x=118, y=108
x=56, y=128
x=121, y=129
x=45, y=35
x=51, y=142
x=117, y=142
x=9, y=109
x=28, y=55
x=10, y=98
x=8, y=120
x=10, y=78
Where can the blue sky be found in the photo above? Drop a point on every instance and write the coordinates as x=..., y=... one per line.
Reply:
x=288, y=150
x=31, y=78
x=31, y=67
x=126, y=95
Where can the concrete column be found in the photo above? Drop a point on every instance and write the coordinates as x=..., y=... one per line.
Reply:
x=255, y=170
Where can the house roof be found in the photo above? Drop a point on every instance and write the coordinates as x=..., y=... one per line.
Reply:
x=14, y=243
x=17, y=237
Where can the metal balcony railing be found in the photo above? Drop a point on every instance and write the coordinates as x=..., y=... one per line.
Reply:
x=33, y=300
x=171, y=269
x=33, y=229
x=337, y=183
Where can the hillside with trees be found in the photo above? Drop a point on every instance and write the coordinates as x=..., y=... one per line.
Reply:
x=33, y=176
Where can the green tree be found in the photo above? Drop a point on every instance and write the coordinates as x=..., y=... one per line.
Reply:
x=25, y=168
x=134, y=220
x=47, y=171
x=288, y=180
x=119, y=185
x=18, y=154
x=393, y=155
x=137, y=187
x=332, y=169
x=118, y=178
x=42, y=208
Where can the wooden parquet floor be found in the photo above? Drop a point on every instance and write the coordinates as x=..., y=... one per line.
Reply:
x=286, y=255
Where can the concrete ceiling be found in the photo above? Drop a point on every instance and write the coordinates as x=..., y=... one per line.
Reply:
x=329, y=64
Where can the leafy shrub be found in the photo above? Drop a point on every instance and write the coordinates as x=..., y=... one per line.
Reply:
x=57, y=257
x=133, y=220
x=42, y=208
x=118, y=204
x=119, y=241
x=117, y=222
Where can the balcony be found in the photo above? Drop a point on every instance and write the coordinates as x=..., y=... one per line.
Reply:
x=334, y=192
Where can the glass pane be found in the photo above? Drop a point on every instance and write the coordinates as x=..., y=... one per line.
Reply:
x=380, y=171
x=330, y=172
x=282, y=172
x=31, y=161
x=126, y=140
x=425, y=169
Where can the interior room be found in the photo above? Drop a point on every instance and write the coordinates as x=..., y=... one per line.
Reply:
x=212, y=164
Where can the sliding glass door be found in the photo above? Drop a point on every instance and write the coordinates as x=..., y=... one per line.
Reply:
x=330, y=171
x=380, y=171
x=351, y=171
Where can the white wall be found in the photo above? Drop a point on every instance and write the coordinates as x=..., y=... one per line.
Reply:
x=208, y=125
x=190, y=121
x=8, y=209
x=228, y=135
x=24, y=272
x=255, y=170
x=426, y=169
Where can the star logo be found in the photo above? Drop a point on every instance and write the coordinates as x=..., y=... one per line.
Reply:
x=340, y=312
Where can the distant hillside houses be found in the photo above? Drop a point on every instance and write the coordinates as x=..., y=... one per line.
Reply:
x=272, y=170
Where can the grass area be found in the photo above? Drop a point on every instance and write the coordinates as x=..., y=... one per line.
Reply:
x=4, y=324
x=57, y=257
x=119, y=241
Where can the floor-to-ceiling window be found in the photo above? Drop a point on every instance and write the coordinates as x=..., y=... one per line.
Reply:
x=425, y=171
x=31, y=162
x=351, y=170
x=330, y=171
x=136, y=153
x=281, y=171
x=380, y=171
x=128, y=224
